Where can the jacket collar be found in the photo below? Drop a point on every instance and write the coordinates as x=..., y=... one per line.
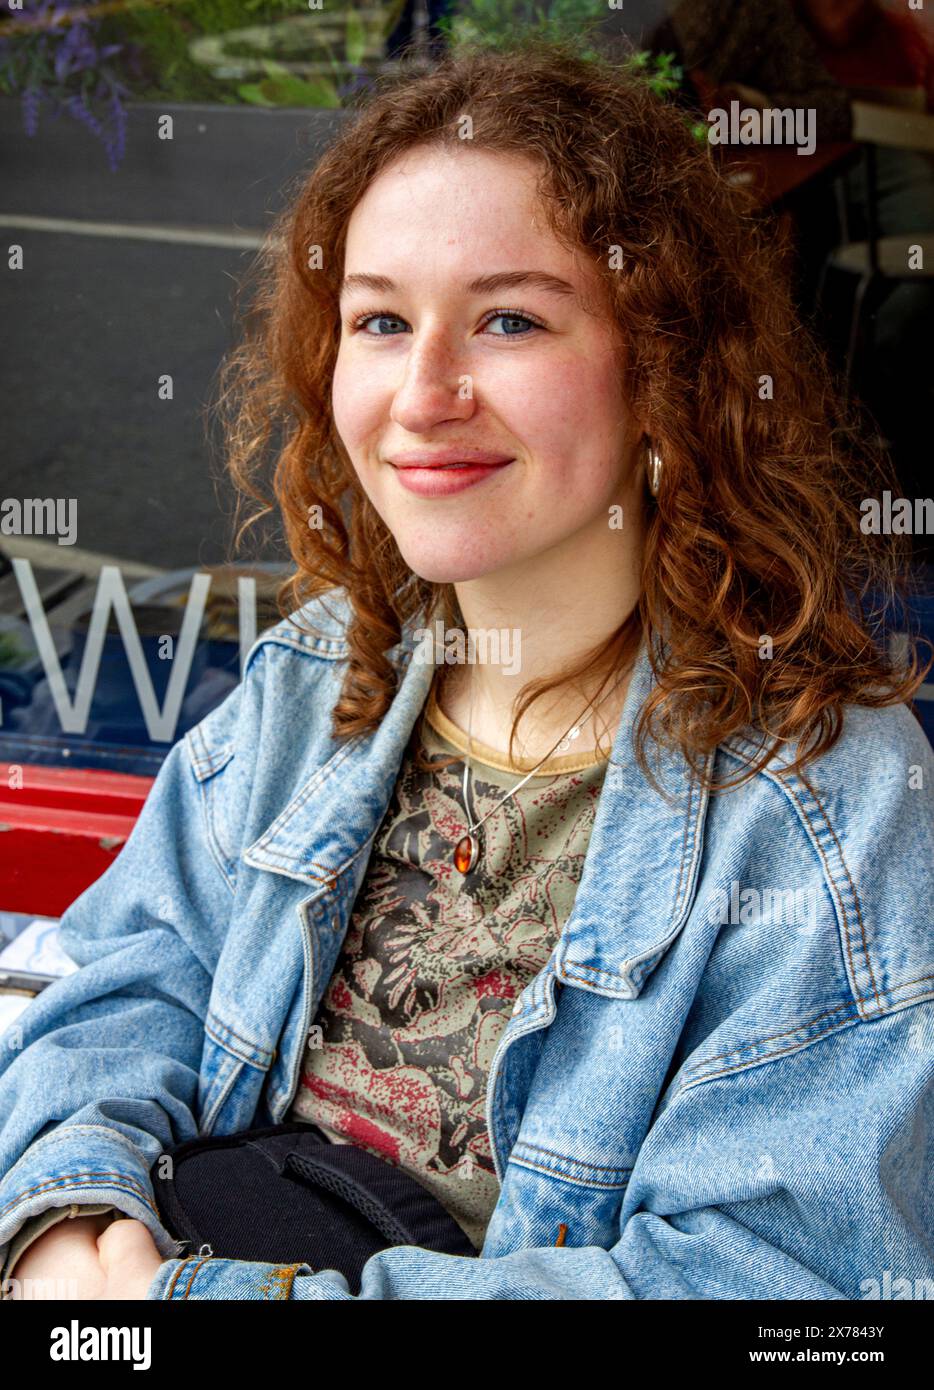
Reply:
x=639, y=873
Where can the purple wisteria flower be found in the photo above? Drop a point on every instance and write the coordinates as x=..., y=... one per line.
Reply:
x=50, y=52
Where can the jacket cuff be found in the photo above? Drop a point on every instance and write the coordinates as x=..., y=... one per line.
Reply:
x=88, y=1164
x=37, y=1226
x=203, y=1277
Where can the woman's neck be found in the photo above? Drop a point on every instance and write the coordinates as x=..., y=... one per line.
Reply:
x=544, y=724
x=547, y=615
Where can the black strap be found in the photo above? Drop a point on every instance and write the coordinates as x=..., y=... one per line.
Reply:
x=321, y=1174
x=398, y=1208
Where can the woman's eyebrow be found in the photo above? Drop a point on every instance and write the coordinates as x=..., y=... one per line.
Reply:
x=483, y=284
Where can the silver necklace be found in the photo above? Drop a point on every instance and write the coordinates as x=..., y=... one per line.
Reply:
x=467, y=849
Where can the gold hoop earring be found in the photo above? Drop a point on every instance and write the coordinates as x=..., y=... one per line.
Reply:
x=653, y=469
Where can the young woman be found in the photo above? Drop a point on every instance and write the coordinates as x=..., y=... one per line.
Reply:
x=570, y=846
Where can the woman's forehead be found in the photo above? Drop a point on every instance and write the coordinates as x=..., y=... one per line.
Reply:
x=467, y=209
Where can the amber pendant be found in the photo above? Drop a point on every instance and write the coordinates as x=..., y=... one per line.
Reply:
x=466, y=853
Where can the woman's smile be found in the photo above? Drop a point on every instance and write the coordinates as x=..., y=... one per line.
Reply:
x=445, y=479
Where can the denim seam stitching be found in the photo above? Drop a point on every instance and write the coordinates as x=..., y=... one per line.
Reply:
x=170, y=1291
x=699, y=1066
x=71, y=1128
x=633, y=977
x=769, y=1057
x=209, y=1120
x=205, y=762
x=771, y=1037
x=209, y=763
x=298, y=802
x=51, y=1184
x=313, y=647
x=859, y=914
x=607, y=1186
x=786, y=784
x=635, y=974
x=254, y=1047
x=224, y=865
x=501, y=1105
x=193, y=1273
x=566, y=1158
x=914, y=998
x=684, y=850
x=284, y=1277
x=894, y=989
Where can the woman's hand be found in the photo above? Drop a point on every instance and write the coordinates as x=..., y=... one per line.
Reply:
x=90, y=1257
x=129, y=1258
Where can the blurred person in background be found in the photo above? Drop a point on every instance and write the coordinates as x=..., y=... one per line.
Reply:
x=867, y=49
x=823, y=55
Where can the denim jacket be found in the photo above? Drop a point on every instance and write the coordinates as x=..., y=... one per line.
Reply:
x=721, y=1084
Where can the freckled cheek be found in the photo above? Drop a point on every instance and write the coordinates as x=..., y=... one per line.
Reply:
x=568, y=419
x=356, y=403
x=563, y=398
x=559, y=408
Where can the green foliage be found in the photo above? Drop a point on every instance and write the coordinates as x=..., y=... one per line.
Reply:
x=660, y=70
x=499, y=24
x=165, y=32
x=576, y=24
x=282, y=88
x=220, y=16
x=356, y=41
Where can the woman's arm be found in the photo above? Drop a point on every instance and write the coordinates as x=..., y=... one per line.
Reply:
x=61, y=1256
x=826, y=1195
x=99, y=1075
x=33, y=1230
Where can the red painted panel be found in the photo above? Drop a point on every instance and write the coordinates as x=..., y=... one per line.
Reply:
x=60, y=828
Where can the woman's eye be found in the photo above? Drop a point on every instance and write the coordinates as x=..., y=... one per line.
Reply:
x=515, y=325
x=385, y=325
x=368, y=319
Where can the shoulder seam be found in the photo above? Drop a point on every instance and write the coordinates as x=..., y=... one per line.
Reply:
x=844, y=894
x=290, y=631
x=871, y=1000
x=331, y=648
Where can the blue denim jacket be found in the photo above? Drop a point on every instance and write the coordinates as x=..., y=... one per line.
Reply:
x=721, y=1084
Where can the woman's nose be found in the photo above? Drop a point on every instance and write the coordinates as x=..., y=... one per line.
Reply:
x=435, y=386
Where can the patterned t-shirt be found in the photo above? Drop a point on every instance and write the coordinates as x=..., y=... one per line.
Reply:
x=433, y=962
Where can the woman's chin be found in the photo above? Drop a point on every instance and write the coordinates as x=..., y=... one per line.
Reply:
x=448, y=573
x=450, y=568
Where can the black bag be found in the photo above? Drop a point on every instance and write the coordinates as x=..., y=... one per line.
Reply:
x=287, y=1194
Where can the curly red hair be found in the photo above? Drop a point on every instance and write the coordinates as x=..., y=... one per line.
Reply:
x=755, y=530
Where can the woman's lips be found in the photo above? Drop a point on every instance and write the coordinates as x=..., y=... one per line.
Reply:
x=444, y=480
